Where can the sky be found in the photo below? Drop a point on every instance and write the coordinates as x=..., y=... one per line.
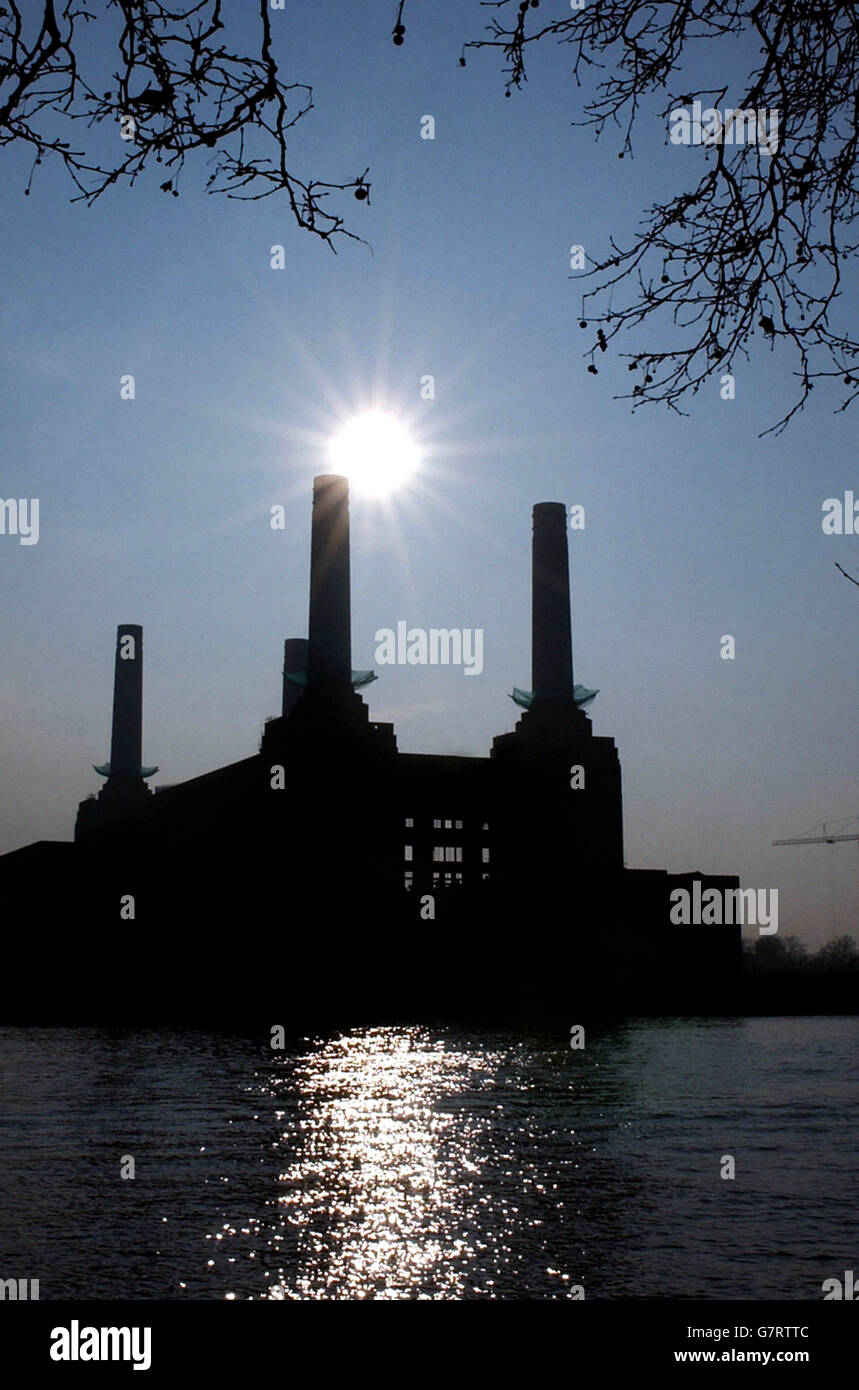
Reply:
x=157, y=510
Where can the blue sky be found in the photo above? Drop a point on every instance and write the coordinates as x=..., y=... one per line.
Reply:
x=157, y=510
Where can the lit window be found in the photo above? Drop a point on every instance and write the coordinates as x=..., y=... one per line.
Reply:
x=407, y=852
x=459, y=854
x=438, y=854
x=409, y=823
x=485, y=875
x=408, y=878
x=485, y=854
x=486, y=825
x=436, y=825
x=448, y=825
x=449, y=853
x=458, y=824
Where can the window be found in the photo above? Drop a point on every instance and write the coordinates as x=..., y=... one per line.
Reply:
x=448, y=825
x=458, y=825
x=409, y=823
x=444, y=880
x=407, y=852
x=408, y=878
x=486, y=825
x=436, y=825
x=438, y=854
x=484, y=854
x=485, y=875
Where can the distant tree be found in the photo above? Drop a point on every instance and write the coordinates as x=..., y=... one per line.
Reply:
x=755, y=246
x=840, y=954
x=795, y=954
x=177, y=88
x=774, y=954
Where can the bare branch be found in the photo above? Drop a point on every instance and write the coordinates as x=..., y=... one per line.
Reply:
x=757, y=248
x=846, y=575
x=178, y=88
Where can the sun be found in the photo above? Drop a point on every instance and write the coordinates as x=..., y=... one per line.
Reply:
x=375, y=452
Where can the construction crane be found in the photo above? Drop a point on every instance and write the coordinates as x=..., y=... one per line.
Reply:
x=828, y=837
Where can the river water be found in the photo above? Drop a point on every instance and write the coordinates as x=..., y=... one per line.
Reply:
x=432, y=1163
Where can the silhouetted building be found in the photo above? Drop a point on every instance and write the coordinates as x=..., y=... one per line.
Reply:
x=345, y=880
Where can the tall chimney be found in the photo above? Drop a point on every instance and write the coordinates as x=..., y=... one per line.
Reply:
x=126, y=743
x=294, y=659
x=125, y=769
x=329, y=660
x=551, y=637
x=125, y=791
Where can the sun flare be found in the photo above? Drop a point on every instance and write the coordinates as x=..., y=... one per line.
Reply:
x=375, y=452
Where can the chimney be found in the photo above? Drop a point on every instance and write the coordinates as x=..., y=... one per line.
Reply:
x=328, y=715
x=126, y=743
x=551, y=637
x=294, y=660
x=329, y=661
x=125, y=768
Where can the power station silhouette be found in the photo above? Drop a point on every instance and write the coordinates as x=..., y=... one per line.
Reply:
x=332, y=879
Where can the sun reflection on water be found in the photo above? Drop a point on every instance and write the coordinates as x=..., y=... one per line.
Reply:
x=378, y=1188
x=397, y=1163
